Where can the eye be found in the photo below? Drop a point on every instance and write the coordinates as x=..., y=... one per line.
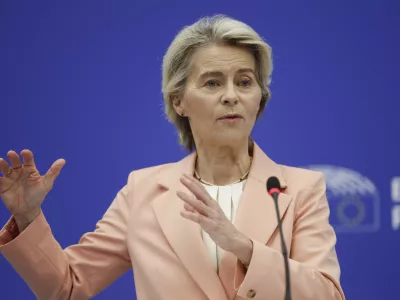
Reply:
x=212, y=83
x=245, y=82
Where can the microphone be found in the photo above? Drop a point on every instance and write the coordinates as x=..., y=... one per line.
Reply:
x=274, y=189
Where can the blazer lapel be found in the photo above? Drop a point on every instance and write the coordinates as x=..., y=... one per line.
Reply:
x=184, y=235
x=256, y=215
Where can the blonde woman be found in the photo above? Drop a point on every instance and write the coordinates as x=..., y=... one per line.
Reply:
x=200, y=228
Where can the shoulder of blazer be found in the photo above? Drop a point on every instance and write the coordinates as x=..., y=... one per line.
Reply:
x=304, y=185
x=141, y=181
x=142, y=176
x=301, y=178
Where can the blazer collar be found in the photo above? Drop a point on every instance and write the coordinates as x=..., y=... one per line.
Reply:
x=262, y=168
x=255, y=217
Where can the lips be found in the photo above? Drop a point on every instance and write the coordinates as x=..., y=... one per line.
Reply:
x=230, y=116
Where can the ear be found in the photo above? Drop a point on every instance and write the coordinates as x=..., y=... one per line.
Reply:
x=178, y=104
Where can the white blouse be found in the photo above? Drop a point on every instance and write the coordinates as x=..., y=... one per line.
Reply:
x=228, y=197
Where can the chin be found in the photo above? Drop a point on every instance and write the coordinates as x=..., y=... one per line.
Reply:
x=232, y=138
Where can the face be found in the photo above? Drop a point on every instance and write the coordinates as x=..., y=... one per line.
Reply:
x=222, y=96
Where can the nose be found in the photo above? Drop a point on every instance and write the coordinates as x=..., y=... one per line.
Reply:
x=230, y=96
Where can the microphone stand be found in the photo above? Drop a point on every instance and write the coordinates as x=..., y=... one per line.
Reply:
x=288, y=293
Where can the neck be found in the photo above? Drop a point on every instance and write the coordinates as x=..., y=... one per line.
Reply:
x=222, y=165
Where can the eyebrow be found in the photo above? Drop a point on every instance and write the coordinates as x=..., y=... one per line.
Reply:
x=220, y=74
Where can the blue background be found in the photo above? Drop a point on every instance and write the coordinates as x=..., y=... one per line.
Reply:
x=81, y=80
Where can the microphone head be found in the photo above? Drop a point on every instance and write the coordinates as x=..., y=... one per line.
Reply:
x=273, y=184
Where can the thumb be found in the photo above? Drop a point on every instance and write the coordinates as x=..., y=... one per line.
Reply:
x=53, y=172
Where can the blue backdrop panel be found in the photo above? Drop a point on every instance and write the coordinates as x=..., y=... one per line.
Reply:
x=81, y=80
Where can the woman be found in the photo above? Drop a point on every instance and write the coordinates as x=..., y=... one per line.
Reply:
x=203, y=227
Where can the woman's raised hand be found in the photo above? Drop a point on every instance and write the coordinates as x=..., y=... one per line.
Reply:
x=22, y=188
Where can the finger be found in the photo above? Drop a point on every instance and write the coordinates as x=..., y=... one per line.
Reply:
x=196, y=188
x=27, y=156
x=4, y=167
x=14, y=159
x=188, y=207
x=198, y=205
x=53, y=172
x=193, y=216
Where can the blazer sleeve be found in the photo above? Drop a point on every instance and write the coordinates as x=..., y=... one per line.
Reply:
x=79, y=271
x=313, y=263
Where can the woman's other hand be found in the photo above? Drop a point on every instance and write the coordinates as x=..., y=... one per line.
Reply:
x=22, y=188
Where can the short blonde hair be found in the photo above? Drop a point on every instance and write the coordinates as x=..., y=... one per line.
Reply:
x=218, y=29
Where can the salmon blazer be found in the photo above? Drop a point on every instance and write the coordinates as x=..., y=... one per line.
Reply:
x=143, y=229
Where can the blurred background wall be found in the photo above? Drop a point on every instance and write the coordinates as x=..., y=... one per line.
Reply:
x=81, y=80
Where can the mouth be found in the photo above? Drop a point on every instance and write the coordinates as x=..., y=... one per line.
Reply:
x=231, y=117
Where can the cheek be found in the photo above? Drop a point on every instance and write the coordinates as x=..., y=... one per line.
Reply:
x=257, y=101
x=198, y=104
x=253, y=107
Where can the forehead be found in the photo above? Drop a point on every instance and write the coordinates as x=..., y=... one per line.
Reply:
x=223, y=58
